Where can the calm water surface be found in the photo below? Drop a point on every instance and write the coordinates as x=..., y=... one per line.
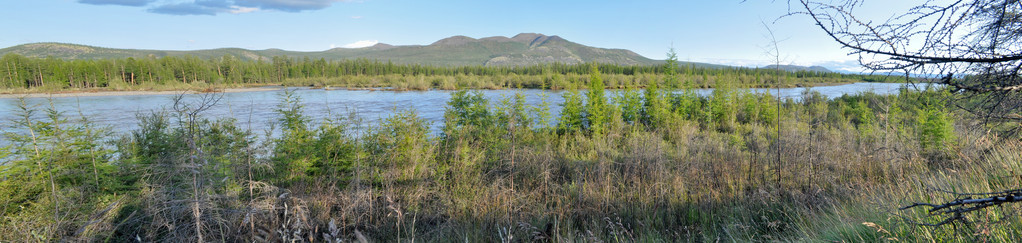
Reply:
x=257, y=108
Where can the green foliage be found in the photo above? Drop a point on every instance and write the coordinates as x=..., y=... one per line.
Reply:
x=53, y=171
x=292, y=158
x=767, y=108
x=688, y=105
x=512, y=114
x=816, y=106
x=305, y=152
x=857, y=111
x=596, y=109
x=631, y=106
x=541, y=113
x=655, y=109
x=54, y=147
x=186, y=169
x=467, y=109
x=723, y=107
x=572, y=118
x=402, y=148
x=936, y=130
x=474, y=129
x=670, y=74
x=860, y=113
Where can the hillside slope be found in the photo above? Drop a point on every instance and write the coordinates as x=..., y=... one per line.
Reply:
x=520, y=50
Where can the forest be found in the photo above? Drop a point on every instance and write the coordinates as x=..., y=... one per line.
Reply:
x=25, y=75
x=652, y=164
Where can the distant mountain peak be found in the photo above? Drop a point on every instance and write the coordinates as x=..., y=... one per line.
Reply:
x=496, y=39
x=381, y=46
x=535, y=39
x=527, y=37
x=376, y=47
x=454, y=41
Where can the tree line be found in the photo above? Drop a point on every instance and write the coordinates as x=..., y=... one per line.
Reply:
x=20, y=72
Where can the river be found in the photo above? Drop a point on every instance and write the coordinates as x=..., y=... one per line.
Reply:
x=257, y=108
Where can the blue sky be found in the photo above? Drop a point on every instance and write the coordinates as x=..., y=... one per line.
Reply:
x=714, y=31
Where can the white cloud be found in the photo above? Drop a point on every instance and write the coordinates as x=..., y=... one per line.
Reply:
x=360, y=44
x=356, y=17
x=132, y=3
x=733, y=62
x=241, y=10
x=849, y=66
x=215, y=7
x=287, y=5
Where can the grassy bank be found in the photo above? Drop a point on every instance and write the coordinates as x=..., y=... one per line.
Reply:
x=644, y=166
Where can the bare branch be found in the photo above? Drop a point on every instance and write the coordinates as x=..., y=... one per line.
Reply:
x=956, y=209
x=972, y=46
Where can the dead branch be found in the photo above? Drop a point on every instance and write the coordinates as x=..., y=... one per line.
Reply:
x=955, y=210
x=972, y=46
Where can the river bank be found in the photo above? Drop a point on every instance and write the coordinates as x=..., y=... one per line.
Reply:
x=12, y=94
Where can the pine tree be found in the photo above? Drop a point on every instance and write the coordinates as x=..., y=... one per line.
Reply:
x=596, y=110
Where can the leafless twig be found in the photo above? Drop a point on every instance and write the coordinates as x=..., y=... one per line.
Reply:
x=955, y=210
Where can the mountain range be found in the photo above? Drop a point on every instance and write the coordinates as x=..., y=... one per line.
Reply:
x=519, y=50
x=795, y=68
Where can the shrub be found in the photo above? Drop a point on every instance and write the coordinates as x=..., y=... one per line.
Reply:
x=572, y=113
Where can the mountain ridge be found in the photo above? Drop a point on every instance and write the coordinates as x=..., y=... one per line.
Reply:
x=796, y=68
x=519, y=50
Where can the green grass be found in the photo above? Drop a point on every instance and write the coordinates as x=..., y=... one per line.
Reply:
x=707, y=172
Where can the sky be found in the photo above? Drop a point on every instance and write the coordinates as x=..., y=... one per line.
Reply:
x=731, y=32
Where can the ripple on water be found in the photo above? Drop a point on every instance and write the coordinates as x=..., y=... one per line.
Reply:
x=258, y=108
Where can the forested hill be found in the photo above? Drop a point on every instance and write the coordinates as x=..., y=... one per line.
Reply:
x=521, y=50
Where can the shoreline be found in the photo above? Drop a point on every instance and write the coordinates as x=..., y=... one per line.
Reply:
x=133, y=92
x=98, y=93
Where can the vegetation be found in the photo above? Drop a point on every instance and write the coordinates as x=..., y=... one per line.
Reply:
x=659, y=167
x=20, y=74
